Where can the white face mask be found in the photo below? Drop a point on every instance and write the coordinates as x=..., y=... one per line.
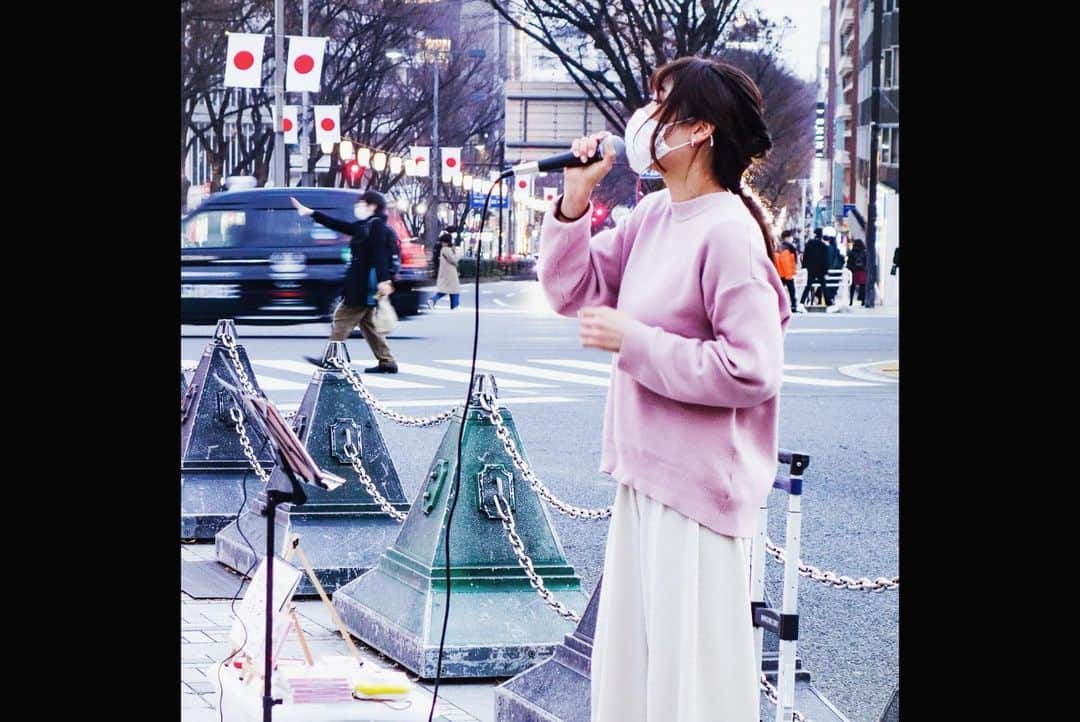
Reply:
x=639, y=130
x=363, y=211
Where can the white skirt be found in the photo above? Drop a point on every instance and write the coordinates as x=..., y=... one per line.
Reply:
x=674, y=640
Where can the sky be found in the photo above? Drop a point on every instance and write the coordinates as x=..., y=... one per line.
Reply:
x=800, y=43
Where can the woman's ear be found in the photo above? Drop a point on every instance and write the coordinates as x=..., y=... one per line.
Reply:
x=703, y=131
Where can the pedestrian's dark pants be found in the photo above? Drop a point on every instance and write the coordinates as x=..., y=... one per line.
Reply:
x=861, y=287
x=454, y=299
x=790, y=283
x=822, y=289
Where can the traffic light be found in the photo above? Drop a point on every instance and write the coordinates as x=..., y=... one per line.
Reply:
x=353, y=172
x=599, y=214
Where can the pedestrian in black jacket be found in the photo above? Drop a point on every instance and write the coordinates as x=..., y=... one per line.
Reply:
x=816, y=262
x=368, y=276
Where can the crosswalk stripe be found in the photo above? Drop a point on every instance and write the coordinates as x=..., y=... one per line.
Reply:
x=824, y=330
x=273, y=383
x=447, y=403
x=530, y=371
x=457, y=376
x=574, y=364
x=369, y=380
x=606, y=368
x=823, y=382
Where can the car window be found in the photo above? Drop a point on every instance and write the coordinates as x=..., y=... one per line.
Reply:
x=279, y=227
x=213, y=229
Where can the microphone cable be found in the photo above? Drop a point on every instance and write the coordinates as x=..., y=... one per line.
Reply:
x=461, y=433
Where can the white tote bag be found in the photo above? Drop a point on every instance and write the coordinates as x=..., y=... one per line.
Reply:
x=386, y=317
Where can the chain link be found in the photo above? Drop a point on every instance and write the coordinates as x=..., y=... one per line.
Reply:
x=230, y=345
x=415, y=421
x=831, y=579
x=487, y=402
x=535, y=580
x=771, y=695
x=188, y=369
x=238, y=418
x=358, y=467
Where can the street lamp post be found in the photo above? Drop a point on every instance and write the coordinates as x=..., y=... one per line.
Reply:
x=431, y=222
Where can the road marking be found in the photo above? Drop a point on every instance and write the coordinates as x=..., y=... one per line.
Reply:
x=825, y=330
x=447, y=403
x=530, y=371
x=822, y=382
x=574, y=364
x=369, y=379
x=505, y=305
x=459, y=377
x=856, y=371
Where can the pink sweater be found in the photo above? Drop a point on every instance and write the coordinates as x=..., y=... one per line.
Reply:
x=692, y=412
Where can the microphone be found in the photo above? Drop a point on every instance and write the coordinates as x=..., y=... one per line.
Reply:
x=566, y=160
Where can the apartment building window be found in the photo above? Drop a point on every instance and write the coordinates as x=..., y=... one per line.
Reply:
x=890, y=67
x=890, y=145
x=891, y=5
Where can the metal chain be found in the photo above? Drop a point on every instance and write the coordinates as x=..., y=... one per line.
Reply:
x=535, y=580
x=831, y=579
x=230, y=345
x=416, y=421
x=770, y=694
x=487, y=402
x=354, y=459
x=188, y=369
x=238, y=418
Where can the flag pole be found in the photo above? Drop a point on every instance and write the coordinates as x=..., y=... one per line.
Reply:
x=280, y=181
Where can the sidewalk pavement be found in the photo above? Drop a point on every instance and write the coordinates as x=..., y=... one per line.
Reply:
x=204, y=632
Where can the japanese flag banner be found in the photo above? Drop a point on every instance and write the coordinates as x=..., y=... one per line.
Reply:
x=419, y=161
x=290, y=125
x=451, y=161
x=243, y=60
x=327, y=124
x=303, y=72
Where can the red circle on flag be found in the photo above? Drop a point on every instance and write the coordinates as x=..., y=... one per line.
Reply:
x=327, y=123
x=451, y=162
x=304, y=64
x=418, y=159
x=522, y=183
x=287, y=125
x=243, y=60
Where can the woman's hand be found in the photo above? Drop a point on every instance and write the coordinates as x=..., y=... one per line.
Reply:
x=578, y=183
x=300, y=207
x=603, y=327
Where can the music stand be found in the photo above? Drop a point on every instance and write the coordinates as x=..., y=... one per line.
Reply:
x=296, y=462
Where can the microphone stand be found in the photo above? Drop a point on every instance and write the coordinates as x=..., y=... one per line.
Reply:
x=274, y=496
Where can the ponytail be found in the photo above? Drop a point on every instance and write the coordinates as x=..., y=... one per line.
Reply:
x=759, y=215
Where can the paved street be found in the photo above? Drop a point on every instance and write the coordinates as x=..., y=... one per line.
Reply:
x=839, y=405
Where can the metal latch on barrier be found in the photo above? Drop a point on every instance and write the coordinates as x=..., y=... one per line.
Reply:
x=299, y=421
x=344, y=433
x=225, y=404
x=185, y=403
x=495, y=480
x=784, y=626
x=434, y=484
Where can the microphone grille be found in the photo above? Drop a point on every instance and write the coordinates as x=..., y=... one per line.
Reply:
x=620, y=147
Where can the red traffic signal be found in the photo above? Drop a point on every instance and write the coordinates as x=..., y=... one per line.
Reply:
x=353, y=172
